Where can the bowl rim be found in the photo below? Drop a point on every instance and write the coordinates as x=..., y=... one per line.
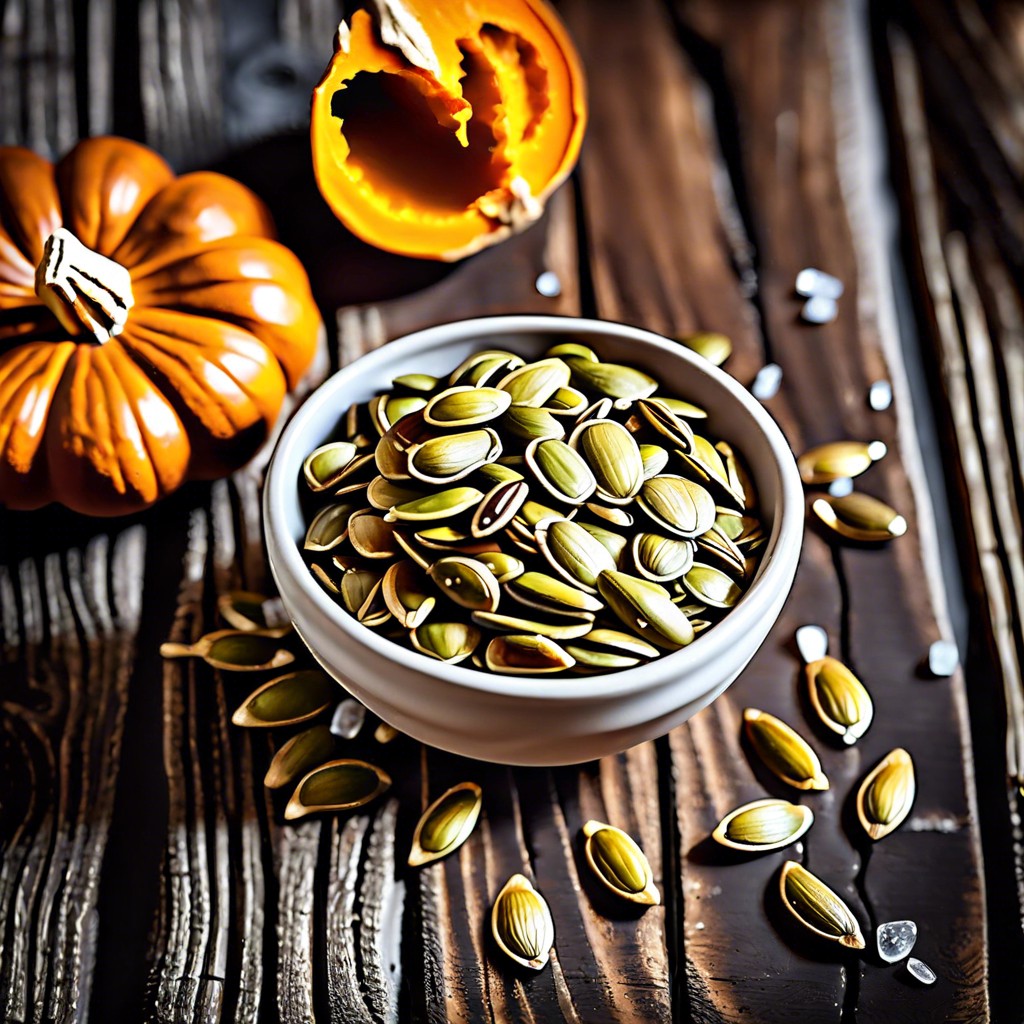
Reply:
x=688, y=662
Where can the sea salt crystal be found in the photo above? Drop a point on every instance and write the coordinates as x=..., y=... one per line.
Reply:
x=348, y=719
x=812, y=643
x=921, y=971
x=811, y=283
x=943, y=658
x=841, y=488
x=819, y=310
x=880, y=395
x=895, y=939
x=767, y=382
x=548, y=284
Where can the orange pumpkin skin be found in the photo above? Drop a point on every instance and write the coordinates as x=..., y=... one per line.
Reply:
x=150, y=327
x=442, y=128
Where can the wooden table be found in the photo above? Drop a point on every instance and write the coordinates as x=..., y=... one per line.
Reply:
x=145, y=873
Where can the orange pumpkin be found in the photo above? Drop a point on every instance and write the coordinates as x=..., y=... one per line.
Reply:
x=149, y=327
x=441, y=128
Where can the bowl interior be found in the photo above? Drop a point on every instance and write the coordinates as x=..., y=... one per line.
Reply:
x=734, y=416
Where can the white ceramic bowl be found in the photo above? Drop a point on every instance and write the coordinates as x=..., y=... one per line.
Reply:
x=544, y=720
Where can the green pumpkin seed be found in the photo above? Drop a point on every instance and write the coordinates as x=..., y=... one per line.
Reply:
x=499, y=473
x=421, y=383
x=711, y=586
x=370, y=535
x=646, y=608
x=613, y=455
x=860, y=517
x=661, y=558
x=783, y=750
x=498, y=507
x=446, y=824
x=838, y=460
x=763, y=825
x=839, y=698
x=623, y=383
x=715, y=348
x=560, y=470
x=466, y=406
x=287, y=700
x=887, y=794
x=566, y=402
x=337, y=786
x=655, y=459
x=504, y=567
x=615, y=516
x=817, y=907
x=572, y=349
x=527, y=424
x=328, y=528
x=614, y=543
x=521, y=924
x=233, y=650
x=538, y=590
x=451, y=457
x=612, y=642
x=406, y=593
x=657, y=413
x=447, y=538
x=533, y=385
x=479, y=367
x=301, y=753
x=524, y=655
x=439, y=505
x=244, y=609
x=619, y=863
x=678, y=505
x=567, y=628
x=716, y=547
x=450, y=642
x=467, y=582
x=533, y=512
x=326, y=465
x=356, y=587
x=687, y=410
x=573, y=552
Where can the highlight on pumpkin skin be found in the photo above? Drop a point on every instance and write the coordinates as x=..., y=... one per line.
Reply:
x=440, y=129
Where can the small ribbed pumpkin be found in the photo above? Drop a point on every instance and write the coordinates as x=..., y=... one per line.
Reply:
x=149, y=327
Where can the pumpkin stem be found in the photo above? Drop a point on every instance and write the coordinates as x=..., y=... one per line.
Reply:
x=87, y=292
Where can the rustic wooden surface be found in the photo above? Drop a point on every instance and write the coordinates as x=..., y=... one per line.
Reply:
x=145, y=873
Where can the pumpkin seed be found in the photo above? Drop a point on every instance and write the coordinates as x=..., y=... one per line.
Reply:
x=499, y=473
x=624, y=383
x=566, y=402
x=573, y=552
x=533, y=512
x=714, y=546
x=302, y=752
x=480, y=366
x=839, y=460
x=374, y=611
x=533, y=385
x=614, y=543
x=619, y=863
x=328, y=528
x=613, y=642
x=526, y=655
x=505, y=567
x=498, y=507
x=706, y=463
x=784, y=751
x=687, y=410
x=337, y=786
x=538, y=590
x=528, y=424
x=655, y=459
x=612, y=453
x=418, y=382
x=763, y=825
x=615, y=516
x=447, y=538
x=887, y=794
x=356, y=586
x=566, y=629
x=439, y=505
x=446, y=824
x=661, y=558
x=657, y=413
x=467, y=582
x=712, y=586
x=287, y=700
x=572, y=349
x=451, y=457
x=560, y=470
x=371, y=535
x=521, y=924
x=646, y=608
x=391, y=461
x=817, y=907
x=678, y=505
x=325, y=465
x=466, y=406
x=715, y=348
x=450, y=642
x=406, y=594
x=860, y=517
x=325, y=580
x=233, y=650
x=839, y=698
x=244, y=609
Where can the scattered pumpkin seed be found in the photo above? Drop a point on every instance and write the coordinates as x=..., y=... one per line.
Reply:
x=817, y=907
x=302, y=752
x=838, y=459
x=337, y=786
x=763, y=825
x=233, y=650
x=619, y=864
x=839, y=698
x=446, y=824
x=783, y=750
x=287, y=700
x=521, y=923
x=860, y=517
x=246, y=610
x=887, y=794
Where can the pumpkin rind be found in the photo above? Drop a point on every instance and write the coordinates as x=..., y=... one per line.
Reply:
x=220, y=324
x=491, y=93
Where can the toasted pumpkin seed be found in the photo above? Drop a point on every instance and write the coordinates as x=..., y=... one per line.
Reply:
x=527, y=423
x=661, y=558
x=526, y=655
x=711, y=586
x=538, y=590
x=446, y=824
x=887, y=794
x=715, y=348
x=337, y=786
x=678, y=505
x=763, y=825
x=287, y=700
x=783, y=750
x=233, y=650
x=657, y=413
x=817, y=907
x=838, y=460
x=560, y=470
x=328, y=528
x=466, y=406
x=371, y=535
x=839, y=698
x=439, y=505
x=573, y=552
x=499, y=506
x=647, y=608
x=405, y=592
x=623, y=383
x=619, y=863
x=324, y=466
x=451, y=457
x=521, y=924
x=450, y=642
x=860, y=517
x=612, y=453
x=304, y=751
x=467, y=582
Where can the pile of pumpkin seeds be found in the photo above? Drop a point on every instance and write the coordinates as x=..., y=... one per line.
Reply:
x=561, y=515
